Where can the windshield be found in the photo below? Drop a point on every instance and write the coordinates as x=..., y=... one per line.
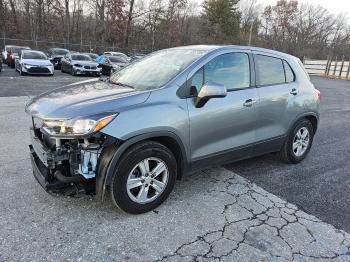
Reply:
x=81, y=57
x=155, y=70
x=17, y=50
x=33, y=55
x=60, y=51
x=117, y=59
x=92, y=56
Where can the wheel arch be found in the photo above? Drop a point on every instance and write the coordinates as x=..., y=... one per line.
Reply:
x=113, y=154
x=311, y=116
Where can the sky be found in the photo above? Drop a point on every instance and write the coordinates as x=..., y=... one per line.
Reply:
x=333, y=6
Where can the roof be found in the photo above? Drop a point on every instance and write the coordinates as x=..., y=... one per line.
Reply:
x=209, y=48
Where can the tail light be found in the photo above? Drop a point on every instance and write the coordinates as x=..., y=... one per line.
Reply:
x=318, y=93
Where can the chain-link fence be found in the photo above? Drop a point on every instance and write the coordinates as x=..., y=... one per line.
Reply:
x=90, y=46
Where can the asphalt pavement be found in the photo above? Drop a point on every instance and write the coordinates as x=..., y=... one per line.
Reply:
x=320, y=185
x=252, y=210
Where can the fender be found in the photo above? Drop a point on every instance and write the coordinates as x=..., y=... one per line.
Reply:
x=303, y=115
x=110, y=159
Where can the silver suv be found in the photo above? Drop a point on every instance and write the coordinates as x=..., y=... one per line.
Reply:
x=174, y=111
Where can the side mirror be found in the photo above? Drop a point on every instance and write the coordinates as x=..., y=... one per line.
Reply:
x=210, y=90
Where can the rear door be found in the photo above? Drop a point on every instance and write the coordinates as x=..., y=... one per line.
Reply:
x=275, y=81
x=224, y=124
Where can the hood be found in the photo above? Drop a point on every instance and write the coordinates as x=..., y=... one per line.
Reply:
x=37, y=62
x=84, y=63
x=84, y=99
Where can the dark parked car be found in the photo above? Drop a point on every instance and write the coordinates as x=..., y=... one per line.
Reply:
x=14, y=53
x=55, y=55
x=111, y=64
x=136, y=57
x=175, y=111
x=0, y=65
x=79, y=64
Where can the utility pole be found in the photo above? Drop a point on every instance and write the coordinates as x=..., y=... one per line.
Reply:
x=250, y=33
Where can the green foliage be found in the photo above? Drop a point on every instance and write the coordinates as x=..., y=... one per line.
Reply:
x=223, y=18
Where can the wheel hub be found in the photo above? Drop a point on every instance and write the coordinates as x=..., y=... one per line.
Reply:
x=147, y=180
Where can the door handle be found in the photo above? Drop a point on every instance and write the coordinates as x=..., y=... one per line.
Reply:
x=294, y=92
x=249, y=103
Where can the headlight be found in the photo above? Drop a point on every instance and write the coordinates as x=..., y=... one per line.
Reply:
x=76, y=127
x=26, y=66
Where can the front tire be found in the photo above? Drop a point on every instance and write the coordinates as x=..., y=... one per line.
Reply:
x=144, y=178
x=21, y=72
x=298, y=143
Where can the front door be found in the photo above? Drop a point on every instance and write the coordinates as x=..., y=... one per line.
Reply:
x=224, y=125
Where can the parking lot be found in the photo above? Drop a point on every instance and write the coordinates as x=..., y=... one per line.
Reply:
x=253, y=210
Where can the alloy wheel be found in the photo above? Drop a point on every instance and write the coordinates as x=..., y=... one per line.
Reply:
x=147, y=180
x=301, y=141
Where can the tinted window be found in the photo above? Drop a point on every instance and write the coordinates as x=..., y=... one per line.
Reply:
x=81, y=57
x=289, y=72
x=231, y=70
x=269, y=70
x=117, y=59
x=60, y=51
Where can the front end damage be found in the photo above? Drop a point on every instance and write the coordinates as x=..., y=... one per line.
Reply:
x=67, y=165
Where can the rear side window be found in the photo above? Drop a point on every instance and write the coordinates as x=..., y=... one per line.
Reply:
x=269, y=70
x=289, y=72
x=231, y=70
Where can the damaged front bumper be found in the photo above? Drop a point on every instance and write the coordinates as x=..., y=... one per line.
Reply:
x=63, y=169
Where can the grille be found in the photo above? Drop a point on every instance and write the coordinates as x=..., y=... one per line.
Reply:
x=39, y=70
x=90, y=67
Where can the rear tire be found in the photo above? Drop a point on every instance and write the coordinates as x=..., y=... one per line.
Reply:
x=298, y=143
x=132, y=198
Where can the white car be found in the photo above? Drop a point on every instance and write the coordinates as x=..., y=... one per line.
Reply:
x=4, y=53
x=33, y=62
x=110, y=53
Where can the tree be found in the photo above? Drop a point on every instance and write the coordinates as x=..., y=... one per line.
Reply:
x=223, y=17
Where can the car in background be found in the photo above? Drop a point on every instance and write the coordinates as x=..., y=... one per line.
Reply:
x=109, y=53
x=92, y=55
x=111, y=64
x=136, y=57
x=34, y=62
x=14, y=53
x=79, y=64
x=4, y=53
x=55, y=55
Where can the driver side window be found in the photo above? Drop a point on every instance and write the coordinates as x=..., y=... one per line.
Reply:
x=231, y=70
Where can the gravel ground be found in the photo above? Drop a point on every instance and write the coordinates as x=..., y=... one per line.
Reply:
x=212, y=215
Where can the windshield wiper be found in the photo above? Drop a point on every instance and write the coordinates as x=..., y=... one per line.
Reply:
x=122, y=84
